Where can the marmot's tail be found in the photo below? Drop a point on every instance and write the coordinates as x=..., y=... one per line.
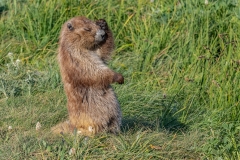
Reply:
x=63, y=128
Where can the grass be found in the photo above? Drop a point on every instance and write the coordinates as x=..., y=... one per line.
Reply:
x=180, y=60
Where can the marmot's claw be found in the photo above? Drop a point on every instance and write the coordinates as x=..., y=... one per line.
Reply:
x=118, y=78
x=102, y=23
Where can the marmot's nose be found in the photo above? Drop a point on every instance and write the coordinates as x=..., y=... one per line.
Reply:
x=101, y=32
x=103, y=36
x=100, y=35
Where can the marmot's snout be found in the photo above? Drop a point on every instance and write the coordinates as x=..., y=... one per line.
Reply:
x=100, y=35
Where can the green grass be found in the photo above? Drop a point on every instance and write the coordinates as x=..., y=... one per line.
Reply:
x=181, y=64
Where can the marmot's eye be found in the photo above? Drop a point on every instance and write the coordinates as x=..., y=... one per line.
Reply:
x=87, y=29
x=70, y=27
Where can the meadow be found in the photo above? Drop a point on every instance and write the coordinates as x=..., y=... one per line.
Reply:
x=180, y=60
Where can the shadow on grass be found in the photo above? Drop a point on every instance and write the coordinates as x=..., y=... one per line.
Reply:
x=3, y=9
x=155, y=112
x=169, y=123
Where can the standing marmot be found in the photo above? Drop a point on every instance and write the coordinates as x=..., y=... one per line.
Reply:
x=84, y=47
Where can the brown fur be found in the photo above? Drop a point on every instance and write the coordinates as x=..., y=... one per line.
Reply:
x=84, y=47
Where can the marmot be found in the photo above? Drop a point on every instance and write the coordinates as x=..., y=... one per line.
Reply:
x=84, y=48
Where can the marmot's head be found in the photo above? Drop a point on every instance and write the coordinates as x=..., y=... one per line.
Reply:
x=81, y=32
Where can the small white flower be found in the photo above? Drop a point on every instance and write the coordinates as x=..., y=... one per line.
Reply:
x=72, y=151
x=86, y=140
x=9, y=127
x=18, y=61
x=38, y=126
x=206, y=2
x=10, y=54
x=79, y=132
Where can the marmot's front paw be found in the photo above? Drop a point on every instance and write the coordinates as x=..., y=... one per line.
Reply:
x=102, y=23
x=118, y=78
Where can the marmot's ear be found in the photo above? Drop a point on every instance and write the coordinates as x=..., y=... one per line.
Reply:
x=70, y=27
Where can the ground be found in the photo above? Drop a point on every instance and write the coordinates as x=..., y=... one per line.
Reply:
x=181, y=66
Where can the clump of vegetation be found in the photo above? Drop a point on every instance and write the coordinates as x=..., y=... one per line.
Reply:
x=180, y=60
